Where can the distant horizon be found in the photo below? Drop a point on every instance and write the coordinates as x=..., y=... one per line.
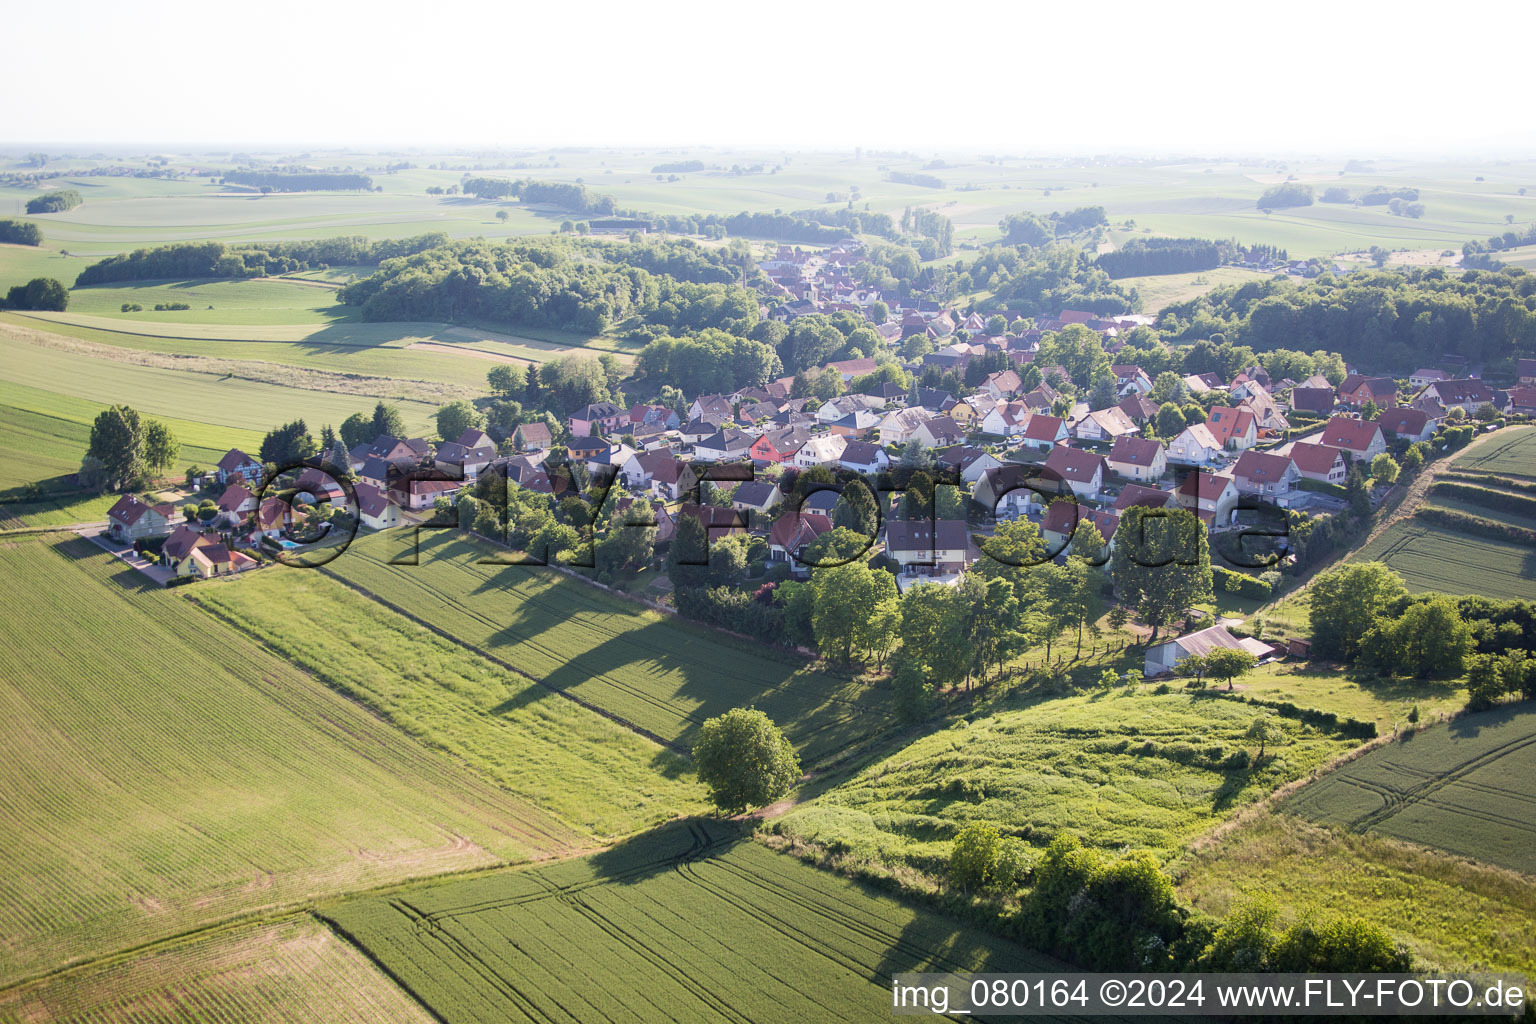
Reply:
x=1312, y=78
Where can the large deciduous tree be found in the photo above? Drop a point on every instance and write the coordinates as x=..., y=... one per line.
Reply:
x=744, y=760
x=1161, y=564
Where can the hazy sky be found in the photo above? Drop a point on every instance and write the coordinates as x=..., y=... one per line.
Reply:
x=1208, y=78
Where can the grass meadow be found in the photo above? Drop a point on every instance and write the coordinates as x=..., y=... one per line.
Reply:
x=164, y=772
x=654, y=671
x=292, y=971
x=1117, y=769
x=1453, y=913
x=686, y=923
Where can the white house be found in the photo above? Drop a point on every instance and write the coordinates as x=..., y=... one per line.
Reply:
x=1083, y=472
x=1195, y=446
x=1105, y=425
x=1272, y=477
x=1138, y=458
x=1043, y=432
x=820, y=451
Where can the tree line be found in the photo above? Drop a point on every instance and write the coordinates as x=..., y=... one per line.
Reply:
x=1387, y=319
x=300, y=181
x=215, y=259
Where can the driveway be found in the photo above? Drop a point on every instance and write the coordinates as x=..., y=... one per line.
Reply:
x=97, y=534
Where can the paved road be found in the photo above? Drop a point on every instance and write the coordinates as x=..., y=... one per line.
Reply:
x=97, y=533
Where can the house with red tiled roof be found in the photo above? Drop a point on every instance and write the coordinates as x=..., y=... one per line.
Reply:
x=375, y=510
x=1525, y=372
x=1082, y=472
x=1356, y=390
x=1319, y=462
x=1522, y=400
x=1211, y=496
x=659, y=473
x=132, y=518
x=1406, y=421
x=235, y=464
x=1104, y=425
x=1268, y=476
x=1235, y=430
x=791, y=534
x=1148, y=497
x=1139, y=408
x=1063, y=520
x=1138, y=458
x=1361, y=439
x=929, y=548
x=1043, y=432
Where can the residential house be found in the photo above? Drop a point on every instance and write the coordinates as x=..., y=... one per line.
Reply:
x=1006, y=420
x=756, y=496
x=1317, y=401
x=1063, y=519
x=1199, y=383
x=465, y=461
x=1319, y=462
x=1104, y=425
x=271, y=517
x=969, y=461
x=864, y=457
x=601, y=418
x=375, y=510
x=653, y=415
x=1361, y=439
x=856, y=424
x=1266, y=412
x=1043, y=432
x=929, y=548
x=843, y=405
x=899, y=426
x=1010, y=490
x=724, y=445
x=659, y=473
x=236, y=503
x=711, y=407
x=775, y=446
x=217, y=560
x=1271, y=477
x=1195, y=446
x=1525, y=372
x=1406, y=421
x=1165, y=657
x=1139, y=408
x=1467, y=394
x=1082, y=472
x=851, y=368
x=1211, y=496
x=823, y=450
x=791, y=534
x=237, y=465
x=1131, y=380
x=1002, y=385
x=532, y=437
x=131, y=519
x=717, y=522
x=582, y=447
x=1426, y=375
x=1522, y=401
x=1147, y=497
x=1234, y=429
x=1356, y=390
x=1138, y=458
x=177, y=550
x=939, y=432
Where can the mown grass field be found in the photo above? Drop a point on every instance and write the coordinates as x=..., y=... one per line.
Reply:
x=1452, y=913
x=1512, y=454
x=229, y=403
x=1387, y=702
x=163, y=772
x=1118, y=770
x=1463, y=787
x=1432, y=557
x=654, y=671
x=681, y=924
x=294, y=971
x=253, y=302
x=588, y=771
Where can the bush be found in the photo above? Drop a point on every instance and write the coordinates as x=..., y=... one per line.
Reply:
x=38, y=293
x=1240, y=583
x=1464, y=522
x=55, y=202
x=1487, y=497
x=20, y=232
